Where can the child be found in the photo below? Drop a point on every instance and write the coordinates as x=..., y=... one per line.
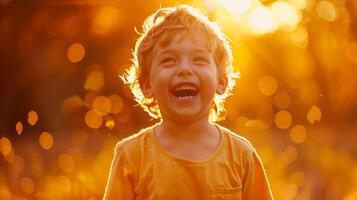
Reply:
x=181, y=74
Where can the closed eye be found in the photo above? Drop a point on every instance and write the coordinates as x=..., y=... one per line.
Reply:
x=200, y=59
x=167, y=60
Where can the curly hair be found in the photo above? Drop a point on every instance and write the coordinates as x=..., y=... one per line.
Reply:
x=162, y=26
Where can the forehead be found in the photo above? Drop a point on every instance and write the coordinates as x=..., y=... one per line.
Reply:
x=182, y=40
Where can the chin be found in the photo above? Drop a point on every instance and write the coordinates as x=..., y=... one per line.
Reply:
x=187, y=117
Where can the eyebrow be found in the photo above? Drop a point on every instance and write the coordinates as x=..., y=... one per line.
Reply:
x=168, y=51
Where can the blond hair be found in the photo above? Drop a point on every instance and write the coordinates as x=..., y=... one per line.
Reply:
x=161, y=26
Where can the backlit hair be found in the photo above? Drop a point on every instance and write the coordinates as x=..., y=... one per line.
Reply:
x=160, y=27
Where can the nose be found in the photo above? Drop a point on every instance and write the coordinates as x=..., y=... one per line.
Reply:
x=184, y=68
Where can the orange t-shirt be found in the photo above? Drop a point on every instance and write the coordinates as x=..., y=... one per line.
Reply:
x=143, y=169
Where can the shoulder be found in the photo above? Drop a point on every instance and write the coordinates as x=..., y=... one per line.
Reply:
x=133, y=142
x=237, y=142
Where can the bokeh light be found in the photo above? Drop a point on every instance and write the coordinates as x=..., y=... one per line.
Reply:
x=94, y=81
x=283, y=119
x=5, y=146
x=286, y=14
x=102, y=105
x=326, y=10
x=267, y=85
x=261, y=20
x=32, y=117
x=281, y=99
x=237, y=7
x=116, y=103
x=104, y=20
x=314, y=114
x=46, y=140
x=298, y=134
x=93, y=120
x=19, y=128
x=75, y=52
x=27, y=185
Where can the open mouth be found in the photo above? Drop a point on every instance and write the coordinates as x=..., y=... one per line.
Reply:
x=185, y=91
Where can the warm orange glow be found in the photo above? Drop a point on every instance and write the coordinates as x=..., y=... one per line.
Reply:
x=89, y=98
x=65, y=184
x=288, y=192
x=110, y=124
x=101, y=105
x=116, y=103
x=241, y=122
x=104, y=20
x=300, y=37
x=32, y=118
x=66, y=162
x=46, y=140
x=237, y=7
x=70, y=105
x=326, y=10
x=5, y=146
x=297, y=59
x=76, y=52
x=261, y=20
x=351, y=52
x=36, y=168
x=299, y=4
x=298, y=134
x=314, y=114
x=283, y=119
x=285, y=13
x=290, y=154
x=297, y=177
x=17, y=166
x=19, y=128
x=281, y=99
x=9, y=157
x=4, y=192
x=27, y=185
x=93, y=120
x=94, y=81
x=266, y=155
x=267, y=85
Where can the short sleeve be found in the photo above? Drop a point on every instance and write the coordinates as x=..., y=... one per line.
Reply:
x=255, y=183
x=120, y=180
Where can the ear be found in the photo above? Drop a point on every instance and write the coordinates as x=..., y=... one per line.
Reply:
x=222, y=84
x=146, y=89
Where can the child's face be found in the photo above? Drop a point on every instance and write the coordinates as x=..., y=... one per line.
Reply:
x=184, y=78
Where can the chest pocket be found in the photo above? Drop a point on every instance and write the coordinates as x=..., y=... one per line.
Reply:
x=227, y=193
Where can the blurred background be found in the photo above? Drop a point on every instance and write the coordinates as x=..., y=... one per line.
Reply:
x=63, y=107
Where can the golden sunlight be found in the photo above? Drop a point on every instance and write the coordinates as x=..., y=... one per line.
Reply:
x=236, y=7
x=261, y=20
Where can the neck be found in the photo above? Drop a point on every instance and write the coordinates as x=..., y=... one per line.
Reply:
x=183, y=130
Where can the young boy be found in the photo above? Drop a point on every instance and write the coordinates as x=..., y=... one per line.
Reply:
x=181, y=74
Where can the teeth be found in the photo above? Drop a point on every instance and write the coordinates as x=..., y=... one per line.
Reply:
x=185, y=97
x=185, y=88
